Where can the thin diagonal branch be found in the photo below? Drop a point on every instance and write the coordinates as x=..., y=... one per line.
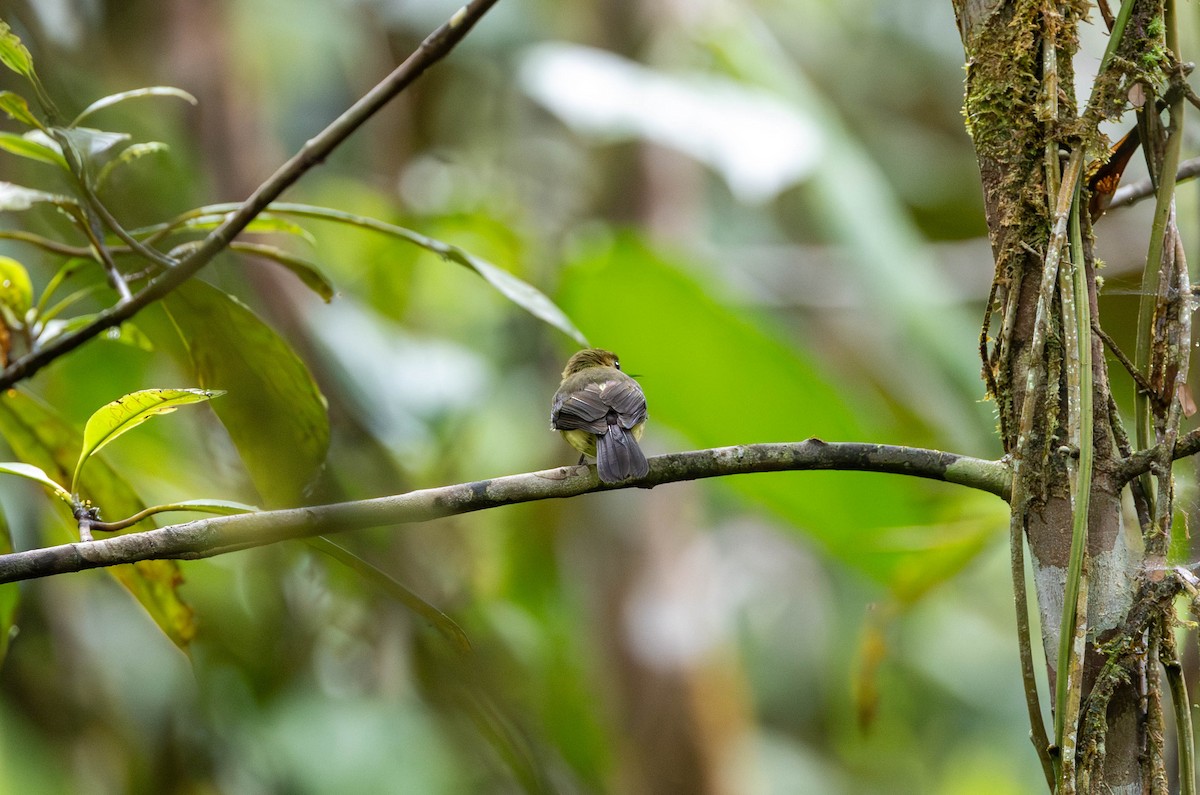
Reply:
x=214, y=536
x=314, y=151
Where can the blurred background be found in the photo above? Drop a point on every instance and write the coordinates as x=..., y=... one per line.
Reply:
x=769, y=208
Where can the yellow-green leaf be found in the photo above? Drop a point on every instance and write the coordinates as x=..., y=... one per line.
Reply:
x=15, y=290
x=130, y=411
x=35, y=473
x=33, y=150
x=13, y=53
x=18, y=109
x=38, y=435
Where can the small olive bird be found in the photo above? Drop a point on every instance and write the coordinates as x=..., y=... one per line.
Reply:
x=601, y=412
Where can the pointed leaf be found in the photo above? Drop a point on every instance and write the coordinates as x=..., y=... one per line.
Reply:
x=306, y=271
x=128, y=412
x=18, y=109
x=13, y=53
x=275, y=414
x=151, y=91
x=219, y=507
x=38, y=435
x=15, y=198
x=128, y=155
x=34, y=473
x=520, y=292
x=33, y=150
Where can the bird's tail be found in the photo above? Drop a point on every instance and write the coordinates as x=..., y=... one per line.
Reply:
x=618, y=456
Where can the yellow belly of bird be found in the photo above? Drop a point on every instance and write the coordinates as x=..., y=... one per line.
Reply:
x=585, y=442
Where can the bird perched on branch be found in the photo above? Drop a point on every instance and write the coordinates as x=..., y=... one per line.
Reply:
x=601, y=412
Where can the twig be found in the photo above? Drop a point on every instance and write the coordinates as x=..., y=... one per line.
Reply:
x=1129, y=195
x=314, y=151
x=208, y=537
x=1124, y=359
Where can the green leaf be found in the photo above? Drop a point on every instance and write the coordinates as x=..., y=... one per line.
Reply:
x=274, y=411
x=13, y=53
x=40, y=437
x=18, y=109
x=34, y=473
x=127, y=412
x=125, y=334
x=128, y=155
x=16, y=292
x=306, y=271
x=263, y=223
x=33, y=150
x=14, y=198
x=151, y=91
x=521, y=293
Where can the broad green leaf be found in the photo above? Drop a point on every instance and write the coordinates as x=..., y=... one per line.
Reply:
x=304, y=270
x=15, y=290
x=10, y=593
x=127, y=412
x=34, y=473
x=13, y=53
x=151, y=91
x=14, y=198
x=128, y=155
x=40, y=437
x=18, y=109
x=274, y=411
x=33, y=150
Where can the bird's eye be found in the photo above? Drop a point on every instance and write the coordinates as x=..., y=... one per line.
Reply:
x=617, y=363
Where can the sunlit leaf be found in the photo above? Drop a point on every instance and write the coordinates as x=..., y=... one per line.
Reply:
x=18, y=109
x=13, y=53
x=219, y=507
x=33, y=150
x=14, y=198
x=16, y=292
x=274, y=412
x=87, y=143
x=40, y=437
x=304, y=270
x=127, y=412
x=128, y=155
x=151, y=91
x=34, y=473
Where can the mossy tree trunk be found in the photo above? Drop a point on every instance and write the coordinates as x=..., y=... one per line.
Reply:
x=1045, y=368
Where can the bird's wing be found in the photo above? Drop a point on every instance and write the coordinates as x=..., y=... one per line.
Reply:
x=584, y=409
x=627, y=399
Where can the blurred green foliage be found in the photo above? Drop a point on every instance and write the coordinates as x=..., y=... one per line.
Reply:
x=798, y=632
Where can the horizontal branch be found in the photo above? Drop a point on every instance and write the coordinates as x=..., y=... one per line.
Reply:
x=1128, y=195
x=214, y=536
x=1143, y=460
